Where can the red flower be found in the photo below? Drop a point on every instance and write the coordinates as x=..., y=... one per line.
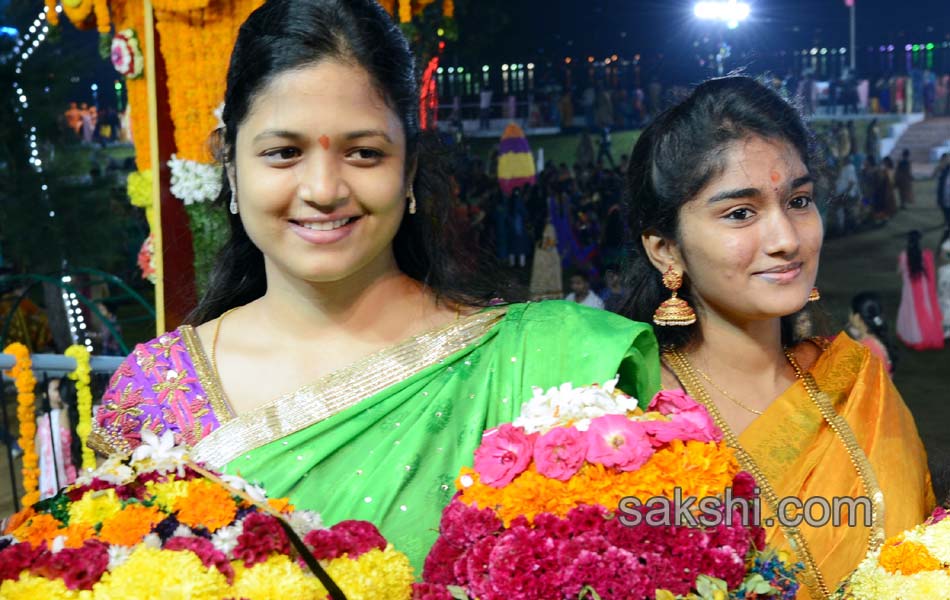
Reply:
x=504, y=453
x=262, y=537
x=205, y=550
x=79, y=568
x=358, y=537
x=440, y=563
x=17, y=558
x=429, y=591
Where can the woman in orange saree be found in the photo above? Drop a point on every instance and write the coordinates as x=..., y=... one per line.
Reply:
x=722, y=194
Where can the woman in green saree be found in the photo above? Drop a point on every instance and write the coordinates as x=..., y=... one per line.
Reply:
x=348, y=353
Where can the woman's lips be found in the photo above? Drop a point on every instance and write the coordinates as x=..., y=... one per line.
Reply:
x=340, y=230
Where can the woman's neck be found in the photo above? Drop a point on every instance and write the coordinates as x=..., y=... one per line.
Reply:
x=380, y=300
x=749, y=351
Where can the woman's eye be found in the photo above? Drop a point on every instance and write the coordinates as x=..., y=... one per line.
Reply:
x=365, y=155
x=282, y=154
x=740, y=214
x=800, y=202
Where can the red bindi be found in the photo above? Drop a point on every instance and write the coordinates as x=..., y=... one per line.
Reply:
x=775, y=176
x=325, y=142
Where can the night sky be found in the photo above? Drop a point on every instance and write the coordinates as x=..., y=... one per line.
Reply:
x=538, y=28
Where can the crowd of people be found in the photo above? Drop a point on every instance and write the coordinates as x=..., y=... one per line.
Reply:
x=90, y=125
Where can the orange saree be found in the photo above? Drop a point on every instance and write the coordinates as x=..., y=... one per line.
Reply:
x=801, y=456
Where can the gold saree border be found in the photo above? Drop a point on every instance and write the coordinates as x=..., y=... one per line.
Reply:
x=340, y=390
x=206, y=375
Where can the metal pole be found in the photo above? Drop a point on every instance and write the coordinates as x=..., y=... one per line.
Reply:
x=57, y=364
x=853, y=28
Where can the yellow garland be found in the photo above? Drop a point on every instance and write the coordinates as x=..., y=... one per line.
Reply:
x=196, y=46
x=448, y=9
x=103, y=23
x=179, y=5
x=78, y=11
x=22, y=374
x=51, y=15
x=139, y=189
x=83, y=400
x=405, y=11
x=388, y=5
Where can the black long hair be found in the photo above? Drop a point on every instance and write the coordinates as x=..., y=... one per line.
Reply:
x=675, y=157
x=283, y=35
x=915, y=256
x=867, y=305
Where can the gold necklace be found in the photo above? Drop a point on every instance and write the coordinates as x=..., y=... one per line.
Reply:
x=726, y=394
x=814, y=580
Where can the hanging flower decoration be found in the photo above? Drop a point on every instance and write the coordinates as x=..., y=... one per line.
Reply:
x=448, y=9
x=127, y=54
x=103, y=22
x=179, y=5
x=51, y=15
x=83, y=401
x=146, y=260
x=22, y=374
x=194, y=182
x=405, y=11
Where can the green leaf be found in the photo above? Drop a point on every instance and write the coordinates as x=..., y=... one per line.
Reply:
x=588, y=592
x=457, y=592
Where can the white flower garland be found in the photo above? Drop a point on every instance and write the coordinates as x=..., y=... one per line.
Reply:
x=194, y=182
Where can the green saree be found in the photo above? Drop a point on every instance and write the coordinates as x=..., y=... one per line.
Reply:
x=384, y=439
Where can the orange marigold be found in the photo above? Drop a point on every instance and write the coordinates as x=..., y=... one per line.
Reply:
x=19, y=519
x=76, y=534
x=40, y=528
x=698, y=469
x=128, y=526
x=207, y=505
x=907, y=558
x=281, y=505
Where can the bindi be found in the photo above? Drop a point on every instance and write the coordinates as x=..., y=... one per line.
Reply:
x=325, y=142
x=776, y=176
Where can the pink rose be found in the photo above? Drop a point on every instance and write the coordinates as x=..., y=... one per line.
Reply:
x=616, y=441
x=693, y=423
x=559, y=453
x=670, y=402
x=505, y=452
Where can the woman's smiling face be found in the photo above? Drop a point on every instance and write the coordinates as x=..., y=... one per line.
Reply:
x=749, y=241
x=320, y=173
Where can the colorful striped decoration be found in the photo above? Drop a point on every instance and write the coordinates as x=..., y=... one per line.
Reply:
x=515, y=162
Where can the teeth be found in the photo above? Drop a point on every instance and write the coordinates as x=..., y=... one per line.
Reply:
x=327, y=225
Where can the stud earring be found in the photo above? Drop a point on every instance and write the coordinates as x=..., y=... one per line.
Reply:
x=815, y=295
x=233, y=207
x=674, y=311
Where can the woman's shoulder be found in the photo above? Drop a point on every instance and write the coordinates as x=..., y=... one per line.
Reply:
x=545, y=312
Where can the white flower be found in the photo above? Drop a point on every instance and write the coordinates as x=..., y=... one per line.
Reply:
x=118, y=555
x=226, y=538
x=159, y=454
x=59, y=542
x=183, y=531
x=566, y=404
x=254, y=492
x=304, y=521
x=193, y=182
x=152, y=540
x=113, y=470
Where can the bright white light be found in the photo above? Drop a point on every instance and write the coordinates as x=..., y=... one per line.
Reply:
x=94, y=87
x=52, y=213
x=731, y=12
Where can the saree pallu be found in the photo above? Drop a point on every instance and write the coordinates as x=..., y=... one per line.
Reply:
x=384, y=439
x=802, y=457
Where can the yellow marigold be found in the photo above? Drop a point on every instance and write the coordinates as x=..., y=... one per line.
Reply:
x=40, y=528
x=31, y=587
x=95, y=507
x=150, y=574
x=907, y=558
x=207, y=505
x=167, y=494
x=130, y=525
x=281, y=505
x=277, y=578
x=698, y=469
x=376, y=574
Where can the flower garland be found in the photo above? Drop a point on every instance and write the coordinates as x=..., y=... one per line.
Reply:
x=179, y=5
x=79, y=12
x=127, y=54
x=83, y=400
x=103, y=22
x=146, y=260
x=139, y=189
x=405, y=11
x=448, y=9
x=22, y=373
x=193, y=182
x=51, y=15
x=196, y=59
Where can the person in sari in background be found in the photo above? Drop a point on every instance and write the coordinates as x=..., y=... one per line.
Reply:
x=904, y=179
x=919, y=320
x=722, y=195
x=943, y=282
x=546, y=275
x=348, y=353
x=868, y=326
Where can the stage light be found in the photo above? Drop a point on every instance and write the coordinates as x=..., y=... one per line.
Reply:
x=730, y=12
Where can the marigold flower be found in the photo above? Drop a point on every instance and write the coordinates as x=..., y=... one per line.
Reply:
x=207, y=505
x=130, y=525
